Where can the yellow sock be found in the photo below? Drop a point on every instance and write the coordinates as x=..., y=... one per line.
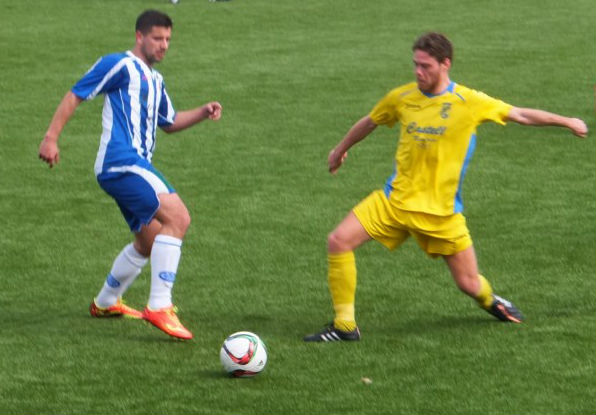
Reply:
x=485, y=294
x=342, y=285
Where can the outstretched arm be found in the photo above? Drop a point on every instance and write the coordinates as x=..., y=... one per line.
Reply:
x=185, y=119
x=530, y=116
x=357, y=133
x=48, y=149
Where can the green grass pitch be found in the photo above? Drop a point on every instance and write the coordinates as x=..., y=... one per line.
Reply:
x=292, y=77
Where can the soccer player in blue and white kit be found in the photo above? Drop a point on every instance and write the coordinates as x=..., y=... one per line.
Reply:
x=135, y=105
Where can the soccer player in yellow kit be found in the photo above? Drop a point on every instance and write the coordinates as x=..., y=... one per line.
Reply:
x=422, y=198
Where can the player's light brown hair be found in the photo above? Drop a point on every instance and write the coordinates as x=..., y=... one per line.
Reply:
x=436, y=45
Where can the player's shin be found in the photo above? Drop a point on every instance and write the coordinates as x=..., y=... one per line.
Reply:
x=126, y=268
x=342, y=285
x=165, y=256
x=484, y=297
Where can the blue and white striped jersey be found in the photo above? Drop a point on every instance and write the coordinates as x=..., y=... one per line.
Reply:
x=135, y=104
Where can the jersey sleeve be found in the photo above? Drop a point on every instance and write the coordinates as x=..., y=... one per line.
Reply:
x=166, y=114
x=385, y=112
x=105, y=75
x=487, y=108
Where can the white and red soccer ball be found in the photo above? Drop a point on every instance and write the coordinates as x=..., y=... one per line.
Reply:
x=243, y=354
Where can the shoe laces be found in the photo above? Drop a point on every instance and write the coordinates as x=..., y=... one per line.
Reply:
x=171, y=312
x=123, y=304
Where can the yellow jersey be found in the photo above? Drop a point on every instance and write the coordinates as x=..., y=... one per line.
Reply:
x=436, y=143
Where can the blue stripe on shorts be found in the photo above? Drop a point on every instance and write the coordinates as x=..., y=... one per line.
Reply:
x=135, y=189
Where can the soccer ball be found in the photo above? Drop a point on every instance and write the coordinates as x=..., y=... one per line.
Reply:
x=243, y=354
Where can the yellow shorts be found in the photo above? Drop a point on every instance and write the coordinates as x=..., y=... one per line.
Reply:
x=436, y=235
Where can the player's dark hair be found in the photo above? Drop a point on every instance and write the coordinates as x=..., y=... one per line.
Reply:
x=150, y=18
x=436, y=45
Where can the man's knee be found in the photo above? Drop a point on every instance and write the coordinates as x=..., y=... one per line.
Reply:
x=347, y=236
x=336, y=242
x=173, y=215
x=184, y=220
x=180, y=219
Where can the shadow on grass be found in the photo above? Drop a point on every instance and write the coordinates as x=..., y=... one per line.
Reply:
x=405, y=327
x=216, y=374
x=445, y=323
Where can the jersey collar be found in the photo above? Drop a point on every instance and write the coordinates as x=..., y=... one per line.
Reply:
x=139, y=60
x=450, y=88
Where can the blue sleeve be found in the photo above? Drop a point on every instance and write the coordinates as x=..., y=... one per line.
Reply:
x=107, y=74
x=166, y=114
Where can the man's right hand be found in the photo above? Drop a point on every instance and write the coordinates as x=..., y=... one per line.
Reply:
x=335, y=160
x=48, y=151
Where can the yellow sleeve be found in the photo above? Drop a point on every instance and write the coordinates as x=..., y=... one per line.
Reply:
x=487, y=108
x=386, y=112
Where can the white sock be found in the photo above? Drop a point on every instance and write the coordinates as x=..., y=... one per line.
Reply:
x=126, y=268
x=165, y=256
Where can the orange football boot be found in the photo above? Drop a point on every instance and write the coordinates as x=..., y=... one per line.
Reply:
x=167, y=321
x=117, y=310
